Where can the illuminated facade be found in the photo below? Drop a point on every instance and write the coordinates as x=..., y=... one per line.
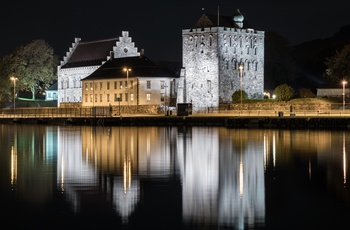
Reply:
x=145, y=83
x=84, y=58
x=212, y=52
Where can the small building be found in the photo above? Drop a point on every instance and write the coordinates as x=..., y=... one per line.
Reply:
x=129, y=83
x=51, y=93
x=332, y=91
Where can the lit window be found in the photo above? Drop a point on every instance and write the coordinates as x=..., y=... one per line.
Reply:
x=131, y=97
x=148, y=97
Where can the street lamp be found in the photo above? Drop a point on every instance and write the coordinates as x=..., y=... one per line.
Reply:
x=127, y=70
x=344, y=83
x=14, y=79
x=241, y=68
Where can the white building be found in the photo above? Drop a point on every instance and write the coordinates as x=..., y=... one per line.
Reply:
x=129, y=82
x=212, y=52
x=83, y=58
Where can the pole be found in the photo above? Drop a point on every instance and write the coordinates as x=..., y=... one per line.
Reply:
x=127, y=83
x=344, y=83
x=241, y=67
x=14, y=93
x=165, y=97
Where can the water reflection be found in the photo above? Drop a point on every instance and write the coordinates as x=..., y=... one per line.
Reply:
x=225, y=175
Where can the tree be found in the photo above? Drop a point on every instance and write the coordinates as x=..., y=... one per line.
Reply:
x=6, y=87
x=236, y=96
x=306, y=93
x=338, y=66
x=34, y=65
x=284, y=92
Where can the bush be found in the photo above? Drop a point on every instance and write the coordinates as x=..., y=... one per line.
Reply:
x=236, y=96
x=284, y=92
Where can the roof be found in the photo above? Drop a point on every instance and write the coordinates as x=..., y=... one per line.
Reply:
x=90, y=53
x=52, y=87
x=212, y=20
x=140, y=66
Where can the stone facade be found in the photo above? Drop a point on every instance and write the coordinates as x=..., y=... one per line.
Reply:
x=212, y=53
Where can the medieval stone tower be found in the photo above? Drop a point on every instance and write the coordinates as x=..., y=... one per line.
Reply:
x=220, y=55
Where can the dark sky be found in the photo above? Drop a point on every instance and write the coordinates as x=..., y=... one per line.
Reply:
x=155, y=25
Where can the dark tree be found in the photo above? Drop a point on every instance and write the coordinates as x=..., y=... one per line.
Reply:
x=34, y=65
x=338, y=66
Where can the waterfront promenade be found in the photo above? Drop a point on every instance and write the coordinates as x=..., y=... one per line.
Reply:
x=337, y=119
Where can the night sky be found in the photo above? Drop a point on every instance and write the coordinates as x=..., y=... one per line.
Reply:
x=157, y=27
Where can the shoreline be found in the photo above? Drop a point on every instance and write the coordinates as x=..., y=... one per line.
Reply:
x=197, y=120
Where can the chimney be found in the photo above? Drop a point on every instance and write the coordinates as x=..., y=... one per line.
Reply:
x=111, y=55
x=142, y=52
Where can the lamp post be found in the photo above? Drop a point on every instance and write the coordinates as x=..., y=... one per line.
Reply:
x=344, y=83
x=14, y=79
x=241, y=68
x=127, y=70
x=165, y=100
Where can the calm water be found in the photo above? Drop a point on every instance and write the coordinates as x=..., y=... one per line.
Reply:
x=60, y=177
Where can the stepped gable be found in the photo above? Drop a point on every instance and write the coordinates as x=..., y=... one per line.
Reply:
x=140, y=66
x=90, y=53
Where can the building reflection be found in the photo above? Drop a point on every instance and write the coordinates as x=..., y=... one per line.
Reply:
x=222, y=179
x=222, y=172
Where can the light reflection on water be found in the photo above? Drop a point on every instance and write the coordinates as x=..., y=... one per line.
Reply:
x=174, y=177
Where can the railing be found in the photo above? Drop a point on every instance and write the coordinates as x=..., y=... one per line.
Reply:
x=56, y=112
x=49, y=112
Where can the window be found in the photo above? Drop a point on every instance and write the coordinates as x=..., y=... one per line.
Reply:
x=131, y=84
x=108, y=85
x=91, y=96
x=209, y=86
x=162, y=97
x=100, y=97
x=121, y=97
x=95, y=97
x=126, y=97
x=148, y=97
x=100, y=85
x=115, y=85
x=126, y=84
x=107, y=97
x=131, y=97
x=115, y=97
x=148, y=85
x=95, y=85
x=86, y=86
x=86, y=98
x=120, y=85
x=91, y=86
x=161, y=84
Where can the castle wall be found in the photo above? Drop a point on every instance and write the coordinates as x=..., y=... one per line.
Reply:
x=211, y=57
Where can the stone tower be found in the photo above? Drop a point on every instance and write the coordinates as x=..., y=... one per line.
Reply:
x=212, y=53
